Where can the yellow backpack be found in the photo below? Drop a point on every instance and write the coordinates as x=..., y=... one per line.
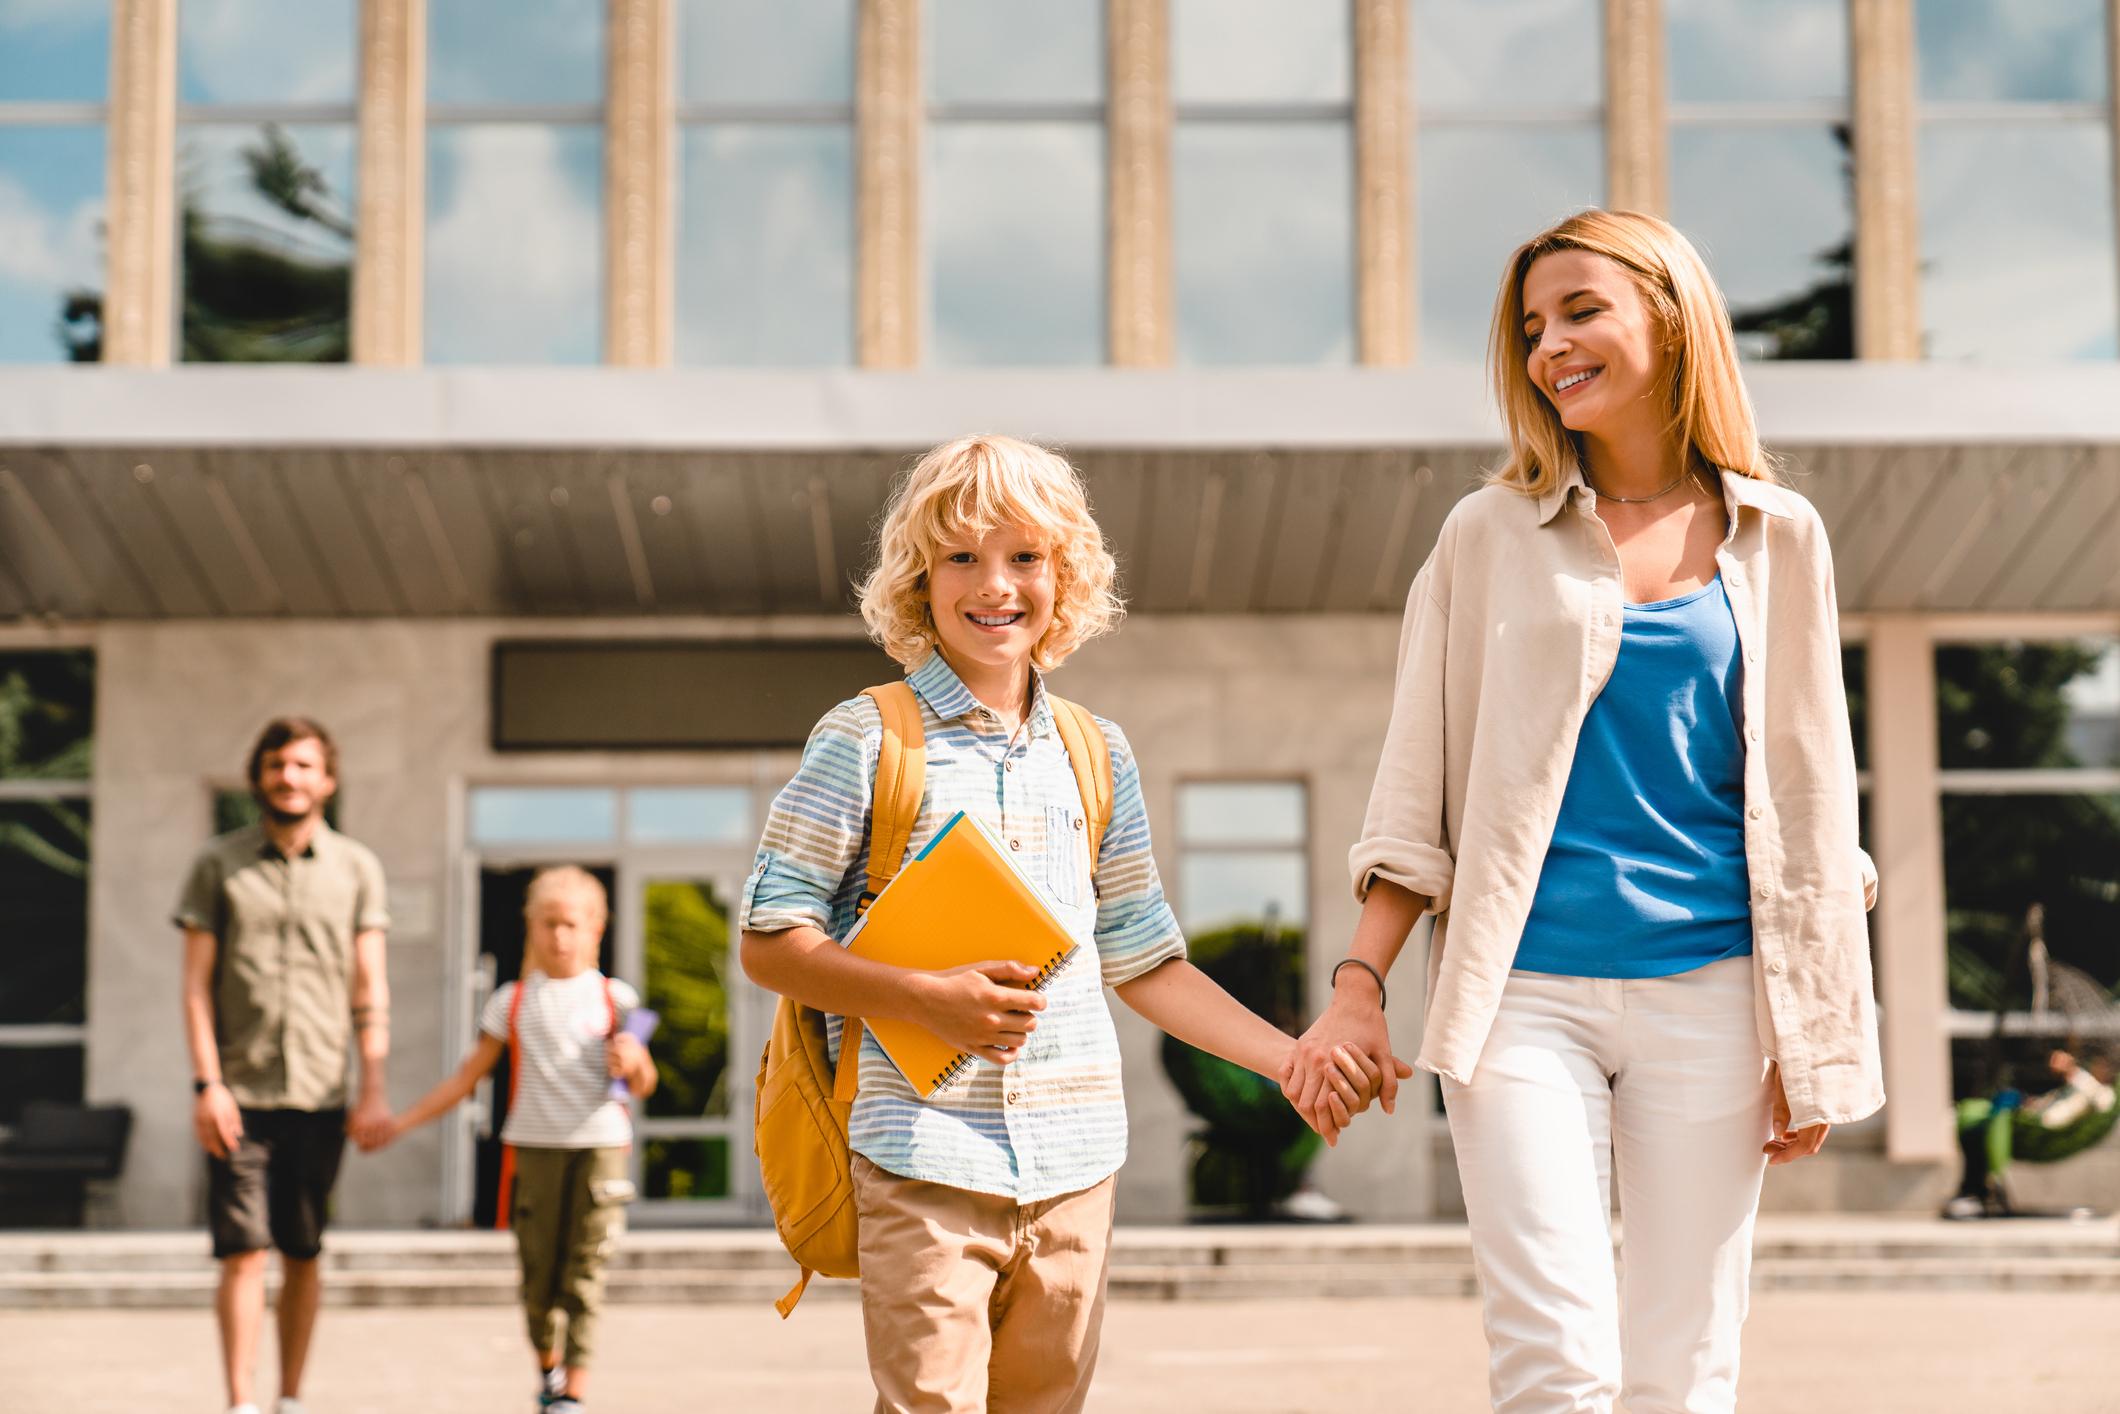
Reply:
x=804, y=1103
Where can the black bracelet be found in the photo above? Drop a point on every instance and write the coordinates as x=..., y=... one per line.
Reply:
x=1357, y=962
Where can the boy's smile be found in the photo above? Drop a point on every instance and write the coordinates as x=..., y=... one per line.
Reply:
x=992, y=601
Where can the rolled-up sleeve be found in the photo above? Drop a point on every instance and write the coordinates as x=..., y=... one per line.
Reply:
x=817, y=829
x=1136, y=931
x=1403, y=835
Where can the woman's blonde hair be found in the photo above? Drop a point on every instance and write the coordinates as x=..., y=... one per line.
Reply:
x=963, y=490
x=1711, y=413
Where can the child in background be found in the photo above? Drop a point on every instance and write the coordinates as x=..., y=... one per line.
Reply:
x=569, y=1136
x=986, y=1207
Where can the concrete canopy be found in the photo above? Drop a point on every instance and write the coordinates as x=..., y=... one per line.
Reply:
x=334, y=492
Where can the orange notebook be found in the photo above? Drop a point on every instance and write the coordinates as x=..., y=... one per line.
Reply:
x=959, y=900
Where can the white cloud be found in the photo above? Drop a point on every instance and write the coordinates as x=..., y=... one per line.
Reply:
x=513, y=248
x=39, y=246
x=241, y=50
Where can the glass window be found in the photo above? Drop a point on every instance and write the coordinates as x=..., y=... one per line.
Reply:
x=688, y=815
x=1740, y=51
x=1760, y=174
x=739, y=51
x=2028, y=706
x=1984, y=50
x=1470, y=221
x=1264, y=280
x=1016, y=242
x=765, y=241
x=514, y=243
x=685, y=1168
x=47, y=715
x=534, y=814
x=1261, y=51
x=1241, y=812
x=266, y=51
x=1516, y=54
x=44, y=878
x=52, y=1073
x=1243, y=863
x=1015, y=51
x=2004, y=856
x=1771, y=209
x=2016, y=181
x=2017, y=240
x=54, y=52
x=765, y=206
x=1855, y=674
x=51, y=220
x=266, y=253
x=488, y=52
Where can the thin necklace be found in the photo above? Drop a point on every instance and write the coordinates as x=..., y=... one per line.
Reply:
x=1638, y=500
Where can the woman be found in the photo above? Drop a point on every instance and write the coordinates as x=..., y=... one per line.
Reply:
x=1619, y=772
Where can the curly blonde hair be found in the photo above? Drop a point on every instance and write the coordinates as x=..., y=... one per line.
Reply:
x=963, y=490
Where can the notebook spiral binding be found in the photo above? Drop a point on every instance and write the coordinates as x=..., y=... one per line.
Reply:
x=955, y=1070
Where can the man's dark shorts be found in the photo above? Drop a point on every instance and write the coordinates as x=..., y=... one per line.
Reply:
x=275, y=1189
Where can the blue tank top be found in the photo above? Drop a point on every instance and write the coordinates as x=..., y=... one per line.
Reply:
x=1646, y=874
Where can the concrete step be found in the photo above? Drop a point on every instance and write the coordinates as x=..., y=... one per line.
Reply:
x=478, y=1268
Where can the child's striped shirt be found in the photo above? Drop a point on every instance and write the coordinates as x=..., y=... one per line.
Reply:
x=1054, y=1121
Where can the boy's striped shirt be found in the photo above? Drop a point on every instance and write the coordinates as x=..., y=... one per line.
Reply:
x=1054, y=1121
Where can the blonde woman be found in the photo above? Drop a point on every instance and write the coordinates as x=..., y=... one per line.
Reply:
x=1619, y=773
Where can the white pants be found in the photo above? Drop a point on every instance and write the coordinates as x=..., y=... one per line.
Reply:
x=1664, y=1078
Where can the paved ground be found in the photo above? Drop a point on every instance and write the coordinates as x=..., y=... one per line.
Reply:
x=1806, y=1353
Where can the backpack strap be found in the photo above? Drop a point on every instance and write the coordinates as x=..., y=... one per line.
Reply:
x=901, y=778
x=894, y=809
x=1090, y=755
x=506, y=1192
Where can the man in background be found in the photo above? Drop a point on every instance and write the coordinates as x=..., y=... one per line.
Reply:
x=283, y=927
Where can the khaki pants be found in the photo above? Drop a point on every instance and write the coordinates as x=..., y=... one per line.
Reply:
x=977, y=1303
x=569, y=1208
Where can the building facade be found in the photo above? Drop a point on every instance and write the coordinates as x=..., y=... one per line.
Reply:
x=628, y=310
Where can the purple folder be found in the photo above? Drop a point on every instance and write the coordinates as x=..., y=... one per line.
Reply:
x=640, y=1025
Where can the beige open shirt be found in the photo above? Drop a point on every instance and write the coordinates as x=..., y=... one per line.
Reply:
x=1511, y=630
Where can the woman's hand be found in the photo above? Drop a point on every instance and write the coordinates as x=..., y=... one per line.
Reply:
x=1318, y=1087
x=976, y=1008
x=1787, y=1145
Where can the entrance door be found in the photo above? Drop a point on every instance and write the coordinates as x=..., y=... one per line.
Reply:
x=673, y=859
x=691, y=1137
x=500, y=922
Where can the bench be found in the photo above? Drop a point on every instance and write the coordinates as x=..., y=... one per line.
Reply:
x=54, y=1153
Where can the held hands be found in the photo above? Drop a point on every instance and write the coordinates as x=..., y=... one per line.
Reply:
x=1786, y=1145
x=985, y=1008
x=371, y=1125
x=1343, y=1062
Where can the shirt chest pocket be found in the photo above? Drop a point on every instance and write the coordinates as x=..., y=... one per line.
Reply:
x=1066, y=855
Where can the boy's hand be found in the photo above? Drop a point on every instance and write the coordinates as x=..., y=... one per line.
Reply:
x=1351, y=1081
x=975, y=1008
x=624, y=1055
x=1355, y=1021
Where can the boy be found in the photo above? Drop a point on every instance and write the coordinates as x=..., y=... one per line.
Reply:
x=986, y=1209
x=570, y=1138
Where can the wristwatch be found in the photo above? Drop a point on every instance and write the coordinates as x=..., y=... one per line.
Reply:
x=199, y=1087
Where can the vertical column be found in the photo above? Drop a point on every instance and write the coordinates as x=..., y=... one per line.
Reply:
x=1636, y=143
x=141, y=186
x=639, y=126
x=887, y=125
x=1906, y=826
x=389, y=229
x=1383, y=178
x=1141, y=293
x=1887, y=240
